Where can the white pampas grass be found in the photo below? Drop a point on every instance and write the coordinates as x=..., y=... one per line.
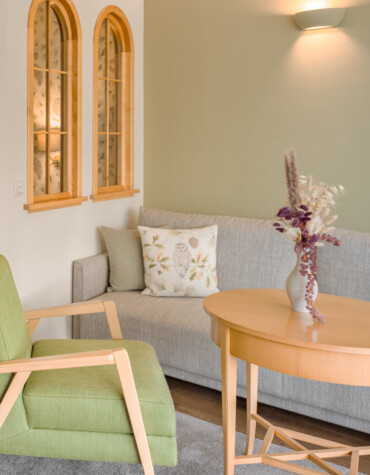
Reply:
x=319, y=198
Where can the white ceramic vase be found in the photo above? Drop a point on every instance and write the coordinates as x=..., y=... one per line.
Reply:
x=296, y=288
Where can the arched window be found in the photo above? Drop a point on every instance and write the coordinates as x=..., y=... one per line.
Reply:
x=113, y=164
x=54, y=107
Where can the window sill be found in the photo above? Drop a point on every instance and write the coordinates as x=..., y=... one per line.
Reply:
x=113, y=195
x=54, y=204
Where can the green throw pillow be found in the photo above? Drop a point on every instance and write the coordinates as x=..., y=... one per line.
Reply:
x=125, y=258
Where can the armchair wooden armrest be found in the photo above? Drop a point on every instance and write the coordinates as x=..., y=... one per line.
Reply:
x=119, y=357
x=80, y=308
x=70, y=360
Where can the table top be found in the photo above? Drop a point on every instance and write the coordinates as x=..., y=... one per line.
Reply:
x=266, y=313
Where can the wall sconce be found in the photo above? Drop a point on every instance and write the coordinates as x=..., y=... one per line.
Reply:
x=322, y=18
x=54, y=142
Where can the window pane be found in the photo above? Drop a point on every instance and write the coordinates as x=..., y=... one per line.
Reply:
x=57, y=84
x=102, y=106
x=113, y=159
x=39, y=45
x=65, y=162
x=114, y=103
x=113, y=54
x=57, y=162
x=101, y=160
x=56, y=42
x=39, y=100
x=39, y=165
x=102, y=50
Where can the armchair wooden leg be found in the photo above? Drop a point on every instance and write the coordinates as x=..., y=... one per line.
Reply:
x=132, y=403
x=15, y=387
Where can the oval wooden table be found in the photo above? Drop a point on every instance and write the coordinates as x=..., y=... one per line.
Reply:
x=258, y=326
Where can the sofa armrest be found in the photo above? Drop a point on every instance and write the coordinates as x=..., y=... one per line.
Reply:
x=90, y=277
x=83, y=308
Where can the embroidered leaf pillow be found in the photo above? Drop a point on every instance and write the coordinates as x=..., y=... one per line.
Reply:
x=179, y=262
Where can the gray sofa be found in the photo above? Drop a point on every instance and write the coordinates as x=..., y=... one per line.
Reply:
x=250, y=254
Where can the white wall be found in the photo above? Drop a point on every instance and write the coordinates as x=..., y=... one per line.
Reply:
x=3, y=148
x=41, y=246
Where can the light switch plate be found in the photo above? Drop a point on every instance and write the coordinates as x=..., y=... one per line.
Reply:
x=18, y=187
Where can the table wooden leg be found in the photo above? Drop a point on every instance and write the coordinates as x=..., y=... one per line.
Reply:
x=229, y=377
x=252, y=391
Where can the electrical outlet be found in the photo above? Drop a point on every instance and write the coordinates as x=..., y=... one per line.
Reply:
x=18, y=187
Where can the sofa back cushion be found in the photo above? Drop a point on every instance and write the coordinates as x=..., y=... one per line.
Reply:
x=250, y=253
x=345, y=270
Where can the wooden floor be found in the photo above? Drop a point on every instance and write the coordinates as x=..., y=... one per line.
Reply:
x=205, y=404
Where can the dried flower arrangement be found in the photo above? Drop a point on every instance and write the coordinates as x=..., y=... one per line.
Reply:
x=306, y=220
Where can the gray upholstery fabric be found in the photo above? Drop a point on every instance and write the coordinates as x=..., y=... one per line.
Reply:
x=177, y=328
x=90, y=278
x=345, y=270
x=249, y=254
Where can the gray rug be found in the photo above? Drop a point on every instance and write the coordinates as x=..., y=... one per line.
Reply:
x=199, y=453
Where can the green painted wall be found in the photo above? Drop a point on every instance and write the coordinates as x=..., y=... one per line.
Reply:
x=231, y=84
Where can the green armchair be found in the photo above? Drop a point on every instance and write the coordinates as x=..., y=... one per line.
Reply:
x=80, y=399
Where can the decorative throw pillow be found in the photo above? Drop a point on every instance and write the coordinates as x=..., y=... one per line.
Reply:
x=125, y=258
x=179, y=262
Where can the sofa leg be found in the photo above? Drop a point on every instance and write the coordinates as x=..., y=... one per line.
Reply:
x=133, y=408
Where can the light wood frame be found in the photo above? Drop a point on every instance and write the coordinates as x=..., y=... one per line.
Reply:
x=68, y=16
x=265, y=344
x=329, y=449
x=125, y=108
x=118, y=357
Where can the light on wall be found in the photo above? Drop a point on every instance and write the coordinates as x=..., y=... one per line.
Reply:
x=322, y=18
x=54, y=142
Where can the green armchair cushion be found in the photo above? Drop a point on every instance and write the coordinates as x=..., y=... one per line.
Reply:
x=99, y=446
x=91, y=399
x=15, y=343
x=15, y=340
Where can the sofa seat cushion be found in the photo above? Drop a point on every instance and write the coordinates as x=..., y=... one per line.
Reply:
x=90, y=399
x=178, y=329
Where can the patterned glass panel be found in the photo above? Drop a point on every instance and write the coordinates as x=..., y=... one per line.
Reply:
x=56, y=42
x=102, y=50
x=39, y=100
x=113, y=106
x=56, y=82
x=39, y=44
x=39, y=164
x=113, y=54
x=58, y=149
x=102, y=106
x=113, y=159
x=101, y=160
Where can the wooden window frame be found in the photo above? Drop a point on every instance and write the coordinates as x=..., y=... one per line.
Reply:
x=125, y=187
x=69, y=17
